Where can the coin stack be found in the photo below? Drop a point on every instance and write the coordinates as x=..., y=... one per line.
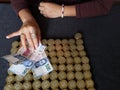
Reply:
x=71, y=67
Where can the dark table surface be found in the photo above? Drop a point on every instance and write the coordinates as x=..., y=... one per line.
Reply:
x=101, y=37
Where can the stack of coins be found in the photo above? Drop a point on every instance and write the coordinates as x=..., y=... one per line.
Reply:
x=70, y=63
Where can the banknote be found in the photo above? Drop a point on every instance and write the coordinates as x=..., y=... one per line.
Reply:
x=30, y=54
x=10, y=58
x=36, y=60
x=22, y=68
x=42, y=67
x=16, y=58
x=33, y=55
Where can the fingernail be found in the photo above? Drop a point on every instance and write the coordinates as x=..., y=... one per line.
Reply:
x=7, y=37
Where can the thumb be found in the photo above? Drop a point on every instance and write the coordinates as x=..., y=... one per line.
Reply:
x=13, y=35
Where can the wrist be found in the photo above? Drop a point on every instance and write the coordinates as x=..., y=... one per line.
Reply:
x=70, y=10
x=26, y=16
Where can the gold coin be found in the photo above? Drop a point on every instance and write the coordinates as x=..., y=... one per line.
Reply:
x=87, y=74
x=89, y=83
x=63, y=84
x=78, y=36
x=72, y=84
x=8, y=87
x=70, y=75
x=18, y=86
x=27, y=85
x=36, y=84
x=80, y=84
x=45, y=84
x=10, y=79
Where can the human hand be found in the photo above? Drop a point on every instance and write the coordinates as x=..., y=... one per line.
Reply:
x=29, y=34
x=50, y=10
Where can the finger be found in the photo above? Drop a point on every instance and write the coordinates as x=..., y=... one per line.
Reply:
x=13, y=34
x=41, y=8
x=42, y=4
x=34, y=39
x=30, y=42
x=41, y=12
x=23, y=41
x=45, y=15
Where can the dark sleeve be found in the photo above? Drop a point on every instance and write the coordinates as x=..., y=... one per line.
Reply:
x=19, y=4
x=93, y=8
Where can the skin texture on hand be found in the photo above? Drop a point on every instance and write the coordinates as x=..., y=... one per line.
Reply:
x=28, y=28
x=52, y=10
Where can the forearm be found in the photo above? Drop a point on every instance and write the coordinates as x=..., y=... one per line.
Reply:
x=21, y=8
x=88, y=9
x=93, y=8
x=25, y=15
x=19, y=5
x=70, y=10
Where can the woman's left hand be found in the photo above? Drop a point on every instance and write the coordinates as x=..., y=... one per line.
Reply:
x=50, y=10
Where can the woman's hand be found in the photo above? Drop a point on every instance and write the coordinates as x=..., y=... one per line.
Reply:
x=29, y=34
x=50, y=10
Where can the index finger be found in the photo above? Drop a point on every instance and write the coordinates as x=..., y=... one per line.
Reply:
x=23, y=41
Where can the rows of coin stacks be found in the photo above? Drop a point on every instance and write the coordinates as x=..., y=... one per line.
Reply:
x=71, y=68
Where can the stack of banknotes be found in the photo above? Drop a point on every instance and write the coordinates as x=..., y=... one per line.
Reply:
x=24, y=61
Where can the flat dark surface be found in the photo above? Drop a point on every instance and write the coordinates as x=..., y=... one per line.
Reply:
x=101, y=37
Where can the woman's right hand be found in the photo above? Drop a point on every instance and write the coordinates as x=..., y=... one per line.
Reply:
x=29, y=34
